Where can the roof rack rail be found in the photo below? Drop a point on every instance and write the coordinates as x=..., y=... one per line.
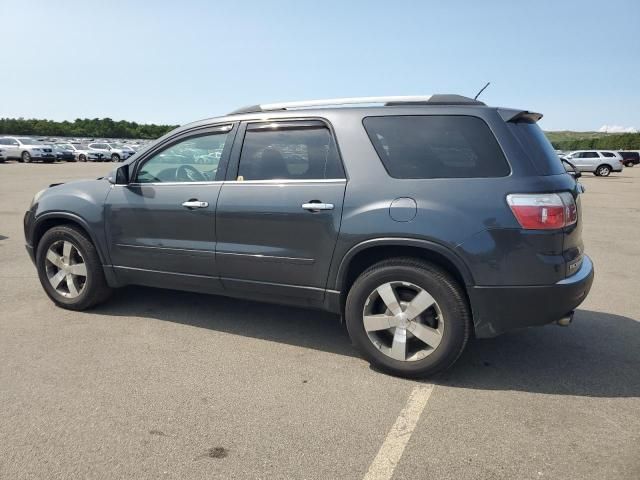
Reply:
x=438, y=99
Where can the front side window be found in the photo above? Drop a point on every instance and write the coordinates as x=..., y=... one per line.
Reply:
x=289, y=151
x=590, y=155
x=436, y=146
x=194, y=159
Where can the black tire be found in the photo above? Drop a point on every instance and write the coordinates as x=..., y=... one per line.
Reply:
x=26, y=157
x=445, y=291
x=95, y=289
x=115, y=157
x=629, y=164
x=48, y=160
x=82, y=158
x=603, y=170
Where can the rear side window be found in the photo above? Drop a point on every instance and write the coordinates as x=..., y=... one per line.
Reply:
x=590, y=155
x=436, y=146
x=289, y=151
x=535, y=144
x=608, y=154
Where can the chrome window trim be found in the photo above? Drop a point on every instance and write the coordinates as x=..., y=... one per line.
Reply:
x=285, y=181
x=173, y=184
x=236, y=182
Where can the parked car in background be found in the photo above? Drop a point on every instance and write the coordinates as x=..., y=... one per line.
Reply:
x=26, y=149
x=112, y=151
x=438, y=219
x=630, y=158
x=64, y=152
x=600, y=162
x=82, y=153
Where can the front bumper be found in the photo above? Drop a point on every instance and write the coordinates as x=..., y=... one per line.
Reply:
x=499, y=309
x=44, y=157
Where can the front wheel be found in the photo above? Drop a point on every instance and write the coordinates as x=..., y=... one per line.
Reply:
x=115, y=157
x=82, y=158
x=26, y=157
x=408, y=317
x=70, y=270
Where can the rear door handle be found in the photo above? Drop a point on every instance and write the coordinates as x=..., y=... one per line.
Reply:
x=315, y=206
x=195, y=204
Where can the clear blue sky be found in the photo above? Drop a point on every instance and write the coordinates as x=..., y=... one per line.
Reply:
x=578, y=62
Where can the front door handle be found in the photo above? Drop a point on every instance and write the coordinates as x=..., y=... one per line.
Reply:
x=195, y=204
x=315, y=206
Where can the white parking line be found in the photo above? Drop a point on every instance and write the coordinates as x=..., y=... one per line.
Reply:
x=391, y=450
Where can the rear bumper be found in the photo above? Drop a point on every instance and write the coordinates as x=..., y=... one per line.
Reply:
x=499, y=309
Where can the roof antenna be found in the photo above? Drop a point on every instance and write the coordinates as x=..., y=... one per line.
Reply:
x=481, y=90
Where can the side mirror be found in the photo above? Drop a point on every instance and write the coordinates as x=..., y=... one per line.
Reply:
x=120, y=176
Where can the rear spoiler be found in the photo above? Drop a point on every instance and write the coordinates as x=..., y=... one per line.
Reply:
x=512, y=115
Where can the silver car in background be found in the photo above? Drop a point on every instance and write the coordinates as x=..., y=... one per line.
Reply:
x=26, y=149
x=82, y=153
x=112, y=151
x=600, y=162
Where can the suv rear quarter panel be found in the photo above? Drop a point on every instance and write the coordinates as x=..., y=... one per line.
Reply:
x=467, y=216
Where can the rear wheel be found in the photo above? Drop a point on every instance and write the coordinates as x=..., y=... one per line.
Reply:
x=629, y=164
x=115, y=157
x=70, y=270
x=82, y=158
x=408, y=317
x=603, y=171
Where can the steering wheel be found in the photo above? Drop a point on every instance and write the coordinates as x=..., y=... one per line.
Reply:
x=188, y=173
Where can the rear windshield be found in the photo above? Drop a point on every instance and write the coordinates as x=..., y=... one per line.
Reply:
x=436, y=146
x=539, y=149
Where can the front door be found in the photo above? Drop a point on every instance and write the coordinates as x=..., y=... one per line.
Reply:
x=161, y=227
x=278, y=215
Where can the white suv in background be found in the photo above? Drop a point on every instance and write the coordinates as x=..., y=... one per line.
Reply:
x=26, y=149
x=600, y=162
x=111, y=150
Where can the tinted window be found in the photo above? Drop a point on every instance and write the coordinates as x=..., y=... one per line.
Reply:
x=608, y=154
x=289, y=151
x=590, y=155
x=194, y=159
x=535, y=144
x=436, y=146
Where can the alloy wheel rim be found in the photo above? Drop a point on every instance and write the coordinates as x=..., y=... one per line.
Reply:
x=66, y=269
x=403, y=321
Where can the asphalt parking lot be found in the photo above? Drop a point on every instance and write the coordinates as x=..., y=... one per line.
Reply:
x=162, y=384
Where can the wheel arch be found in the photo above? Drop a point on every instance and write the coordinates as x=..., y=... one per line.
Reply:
x=366, y=253
x=53, y=219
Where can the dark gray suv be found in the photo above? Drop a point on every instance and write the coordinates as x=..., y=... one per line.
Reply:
x=421, y=220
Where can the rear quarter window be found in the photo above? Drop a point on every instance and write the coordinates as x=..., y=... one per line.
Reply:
x=436, y=146
x=538, y=148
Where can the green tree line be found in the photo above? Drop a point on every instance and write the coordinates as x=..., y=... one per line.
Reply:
x=83, y=127
x=610, y=141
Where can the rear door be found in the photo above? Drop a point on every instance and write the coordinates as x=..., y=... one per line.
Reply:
x=279, y=212
x=589, y=160
x=11, y=148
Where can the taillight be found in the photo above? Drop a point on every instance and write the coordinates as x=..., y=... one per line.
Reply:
x=543, y=211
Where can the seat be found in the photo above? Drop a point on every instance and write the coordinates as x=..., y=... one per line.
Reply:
x=273, y=165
